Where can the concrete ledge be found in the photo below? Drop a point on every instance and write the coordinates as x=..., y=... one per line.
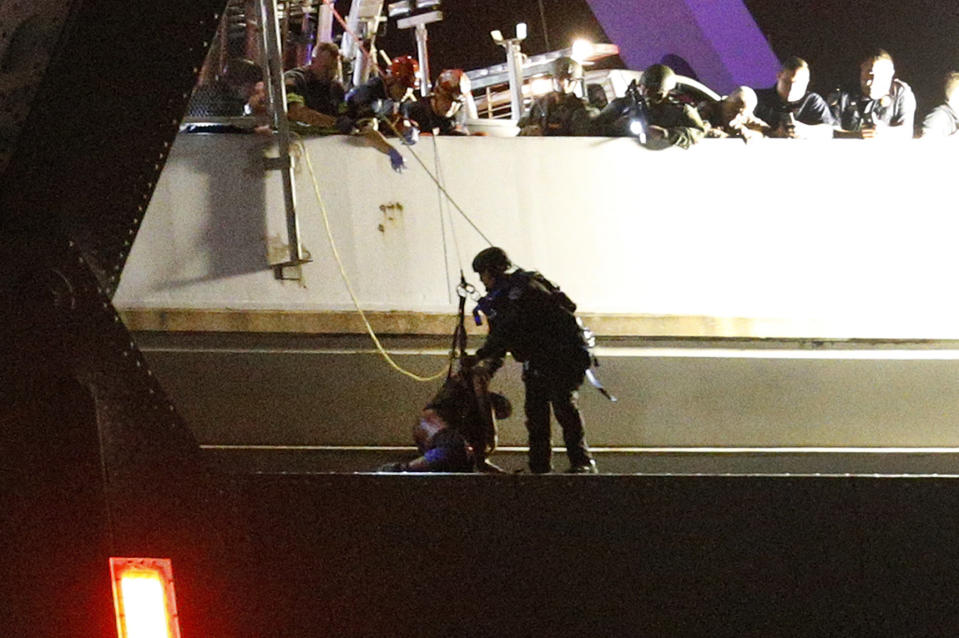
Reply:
x=404, y=322
x=658, y=461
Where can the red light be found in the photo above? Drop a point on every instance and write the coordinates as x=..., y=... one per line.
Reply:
x=143, y=598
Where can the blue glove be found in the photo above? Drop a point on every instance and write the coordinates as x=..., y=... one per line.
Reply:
x=411, y=135
x=396, y=161
x=383, y=108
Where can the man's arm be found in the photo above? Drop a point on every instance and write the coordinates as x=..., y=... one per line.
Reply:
x=297, y=111
x=815, y=121
x=690, y=131
x=489, y=357
x=902, y=124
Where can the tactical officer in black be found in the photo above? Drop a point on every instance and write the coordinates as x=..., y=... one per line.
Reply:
x=532, y=319
x=668, y=122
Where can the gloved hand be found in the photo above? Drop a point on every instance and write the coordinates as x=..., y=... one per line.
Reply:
x=411, y=134
x=396, y=161
x=383, y=108
x=481, y=373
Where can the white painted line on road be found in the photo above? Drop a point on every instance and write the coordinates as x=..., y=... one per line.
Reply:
x=611, y=352
x=616, y=450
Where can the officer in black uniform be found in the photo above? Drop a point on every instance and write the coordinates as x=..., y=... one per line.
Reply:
x=532, y=319
x=669, y=122
x=790, y=109
x=456, y=430
x=560, y=112
x=880, y=106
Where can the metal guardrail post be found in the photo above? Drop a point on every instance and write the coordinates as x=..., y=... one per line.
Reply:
x=514, y=66
x=270, y=32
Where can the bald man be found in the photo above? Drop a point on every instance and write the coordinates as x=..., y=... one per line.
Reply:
x=733, y=116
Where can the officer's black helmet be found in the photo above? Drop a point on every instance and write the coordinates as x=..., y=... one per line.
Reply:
x=657, y=76
x=492, y=258
x=566, y=68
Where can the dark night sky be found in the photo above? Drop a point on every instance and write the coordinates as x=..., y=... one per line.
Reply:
x=922, y=35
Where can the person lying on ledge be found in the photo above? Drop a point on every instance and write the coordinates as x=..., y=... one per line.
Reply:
x=456, y=430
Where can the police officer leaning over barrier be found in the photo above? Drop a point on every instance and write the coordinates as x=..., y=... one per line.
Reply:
x=880, y=106
x=532, y=319
x=669, y=122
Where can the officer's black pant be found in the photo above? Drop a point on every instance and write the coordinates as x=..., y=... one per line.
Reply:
x=559, y=391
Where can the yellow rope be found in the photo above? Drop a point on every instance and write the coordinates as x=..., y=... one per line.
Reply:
x=349, y=286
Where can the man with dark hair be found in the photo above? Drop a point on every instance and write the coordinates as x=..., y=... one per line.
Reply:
x=456, y=430
x=789, y=108
x=943, y=121
x=880, y=106
x=534, y=320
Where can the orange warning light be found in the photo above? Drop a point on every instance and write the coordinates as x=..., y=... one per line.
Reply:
x=143, y=598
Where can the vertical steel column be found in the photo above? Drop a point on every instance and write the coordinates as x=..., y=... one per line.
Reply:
x=514, y=64
x=422, y=52
x=270, y=30
x=324, y=24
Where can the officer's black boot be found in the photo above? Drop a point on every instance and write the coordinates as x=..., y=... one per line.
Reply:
x=540, y=455
x=537, y=424
x=574, y=435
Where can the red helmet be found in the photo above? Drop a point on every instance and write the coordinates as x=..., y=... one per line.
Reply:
x=452, y=82
x=404, y=69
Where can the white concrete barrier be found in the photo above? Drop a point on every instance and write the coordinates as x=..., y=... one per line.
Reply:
x=834, y=239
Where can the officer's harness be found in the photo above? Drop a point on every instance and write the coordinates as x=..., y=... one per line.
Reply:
x=485, y=304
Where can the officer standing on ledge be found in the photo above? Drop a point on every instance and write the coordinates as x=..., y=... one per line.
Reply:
x=532, y=319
